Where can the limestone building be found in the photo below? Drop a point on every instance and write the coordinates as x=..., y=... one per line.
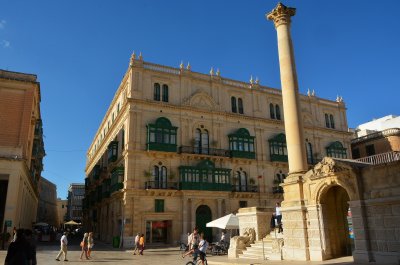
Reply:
x=377, y=137
x=76, y=193
x=61, y=211
x=47, y=208
x=21, y=148
x=178, y=148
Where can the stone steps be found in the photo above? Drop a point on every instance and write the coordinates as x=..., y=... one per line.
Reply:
x=258, y=250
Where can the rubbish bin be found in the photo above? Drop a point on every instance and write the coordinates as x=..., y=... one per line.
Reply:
x=116, y=242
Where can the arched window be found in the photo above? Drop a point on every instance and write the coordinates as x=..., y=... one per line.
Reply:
x=336, y=149
x=163, y=178
x=197, y=141
x=277, y=112
x=327, y=123
x=309, y=150
x=233, y=104
x=240, y=105
x=165, y=93
x=204, y=142
x=332, y=121
x=157, y=91
x=271, y=111
x=242, y=181
x=159, y=178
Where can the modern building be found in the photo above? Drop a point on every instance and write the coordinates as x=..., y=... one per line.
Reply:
x=62, y=206
x=377, y=137
x=76, y=193
x=178, y=148
x=21, y=148
x=47, y=209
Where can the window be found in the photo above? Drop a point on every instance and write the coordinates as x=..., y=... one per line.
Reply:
x=356, y=153
x=277, y=112
x=277, y=148
x=241, y=181
x=237, y=105
x=165, y=93
x=159, y=177
x=309, y=151
x=161, y=136
x=201, y=141
x=332, y=121
x=370, y=150
x=240, y=105
x=271, y=111
x=233, y=103
x=159, y=206
x=242, y=204
x=329, y=121
x=337, y=150
x=241, y=144
x=156, y=92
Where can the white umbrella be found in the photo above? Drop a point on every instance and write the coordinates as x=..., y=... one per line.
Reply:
x=229, y=221
x=72, y=222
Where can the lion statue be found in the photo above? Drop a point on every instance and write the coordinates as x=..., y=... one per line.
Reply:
x=240, y=243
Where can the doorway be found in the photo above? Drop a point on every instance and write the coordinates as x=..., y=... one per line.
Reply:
x=203, y=216
x=335, y=208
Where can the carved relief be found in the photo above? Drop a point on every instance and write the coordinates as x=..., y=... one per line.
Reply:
x=200, y=99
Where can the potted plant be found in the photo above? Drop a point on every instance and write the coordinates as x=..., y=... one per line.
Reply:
x=214, y=143
x=171, y=176
x=252, y=181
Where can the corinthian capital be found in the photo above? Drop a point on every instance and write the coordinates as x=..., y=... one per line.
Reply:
x=281, y=14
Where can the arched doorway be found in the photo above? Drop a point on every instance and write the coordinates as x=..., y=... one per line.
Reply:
x=203, y=216
x=335, y=208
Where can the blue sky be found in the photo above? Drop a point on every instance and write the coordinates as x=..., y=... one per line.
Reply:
x=80, y=51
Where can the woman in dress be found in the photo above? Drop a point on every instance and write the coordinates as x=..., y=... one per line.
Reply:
x=84, y=245
x=90, y=243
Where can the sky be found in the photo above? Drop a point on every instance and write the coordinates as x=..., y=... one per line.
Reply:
x=80, y=51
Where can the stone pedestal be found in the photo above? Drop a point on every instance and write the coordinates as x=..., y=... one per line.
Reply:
x=257, y=218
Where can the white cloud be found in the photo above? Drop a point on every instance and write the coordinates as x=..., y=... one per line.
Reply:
x=2, y=24
x=5, y=43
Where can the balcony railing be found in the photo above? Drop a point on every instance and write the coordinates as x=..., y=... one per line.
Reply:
x=211, y=186
x=160, y=185
x=204, y=151
x=279, y=158
x=381, y=158
x=384, y=133
x=277, y=189
x=245, y=188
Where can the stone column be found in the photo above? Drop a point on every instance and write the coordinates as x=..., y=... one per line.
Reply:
x=294, y=217
x=219, y=208
x=290, y=94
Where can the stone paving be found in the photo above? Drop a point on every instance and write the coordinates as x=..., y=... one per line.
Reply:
x=105, y=254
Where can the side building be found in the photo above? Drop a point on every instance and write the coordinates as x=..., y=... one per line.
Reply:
x=76, y=193
x=47, y=210
x=378, y=136
x=62, y=206
x=21, y=148
x=177, y=149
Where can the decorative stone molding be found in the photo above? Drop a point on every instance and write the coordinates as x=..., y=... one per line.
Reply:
x=326, y=167
x=200, y=99
x=281, y=14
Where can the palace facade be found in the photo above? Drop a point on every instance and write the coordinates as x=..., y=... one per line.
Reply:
x=177, y=149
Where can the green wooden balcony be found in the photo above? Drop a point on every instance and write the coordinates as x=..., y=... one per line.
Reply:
x=243, y=154
x=279, y=158
x=162, y=147
x=205, y=186
x=116, y=187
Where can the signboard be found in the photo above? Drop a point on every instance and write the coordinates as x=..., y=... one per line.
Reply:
x=8, y=223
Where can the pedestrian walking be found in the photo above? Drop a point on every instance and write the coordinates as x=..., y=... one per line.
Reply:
x=84, y=245
x=278, y=216
x=18, y=252
x=90, y=243
x=137, y=237
x=141, y=244
x=64, y=247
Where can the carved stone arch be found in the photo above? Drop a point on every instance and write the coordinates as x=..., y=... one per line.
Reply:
x=325, y=184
